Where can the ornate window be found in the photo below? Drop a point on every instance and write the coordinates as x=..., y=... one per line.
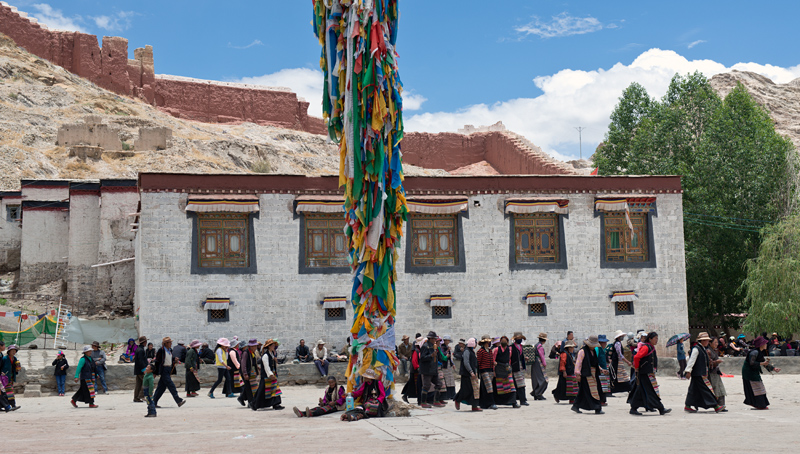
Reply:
x=325, y=241
x=223, y=240
x=536, y=238
x=623, y=308
x=218, y=315
x=335, y=313
x=434, y=240
x=441, y=312
x=623, y=244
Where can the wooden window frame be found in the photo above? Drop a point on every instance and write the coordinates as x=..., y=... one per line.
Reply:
x=535, y=231
x=558, y=242
x=227, y=317
x=448, y=312
x=329, y=237
x=617, y=310
x=646, y=230
x=456, y=243
x=332, y=317
x=224, y=236
x=249, y=247
x=543, y=313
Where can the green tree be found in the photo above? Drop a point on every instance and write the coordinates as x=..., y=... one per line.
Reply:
x=738, y=176
x=773, y=280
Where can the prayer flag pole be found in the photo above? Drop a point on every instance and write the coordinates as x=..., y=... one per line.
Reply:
x=362, y=107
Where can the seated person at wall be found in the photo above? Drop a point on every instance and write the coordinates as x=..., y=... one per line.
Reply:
x=320, y=354
x=206, y=355
x=332, y=401
x=404, y=352
x=130, y=351
x=344, y=354
x=302, y=353
x=151, y=352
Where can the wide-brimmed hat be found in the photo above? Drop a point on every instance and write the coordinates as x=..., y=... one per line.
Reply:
x=496, y=340
x=320, y=342
x=543, y=336
x=733, y=338
x=195, y=343
x=405, y=336
x=591, y=342
x=462, y=341
x=447, y=338
x=242, y=344
x=759, y=342
x=95, y=344
x=15, y=347
x=570, y=344
x=224, y=342
x=253, y=343
x=703, y=337
x=618, y=334
x=86, y=348
x=518, y=335
x=431, y=334
x=369, y=373
x=142, y=339
x=419, y=341
x=270, y=342
x=602, y=338
x=166, y=339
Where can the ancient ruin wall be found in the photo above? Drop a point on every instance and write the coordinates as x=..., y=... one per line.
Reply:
x=512, y=154
x=448, y=151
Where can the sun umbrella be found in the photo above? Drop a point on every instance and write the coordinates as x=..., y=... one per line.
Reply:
x=678, y=337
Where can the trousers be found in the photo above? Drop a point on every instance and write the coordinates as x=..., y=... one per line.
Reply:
x=101, y=378
x=138, y=395
x=165, y=382
x=61, y=381
x=151, y=406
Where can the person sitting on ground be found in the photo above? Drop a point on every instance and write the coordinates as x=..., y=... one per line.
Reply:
x=207, y=355
x=320, y=354
x=130, y=352
x=332, y=401
x=370, y=398
x=302, y=353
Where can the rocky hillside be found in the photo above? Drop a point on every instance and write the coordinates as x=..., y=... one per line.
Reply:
x=781, y=100
x=36, y=97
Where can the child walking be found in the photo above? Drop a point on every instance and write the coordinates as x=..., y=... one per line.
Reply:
x=147, y=388
x=60, y=372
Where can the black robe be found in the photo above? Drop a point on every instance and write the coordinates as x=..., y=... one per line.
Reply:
x=466, y=395
x=560, y=393
x=503, y=364
x=643, y=394
x=518, y=365
x=701, y=393
x=86, y=375
x=584, y=399
x=266, y=396
x=617, y=364
x=249, y=367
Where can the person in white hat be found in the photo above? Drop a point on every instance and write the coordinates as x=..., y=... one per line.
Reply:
x=586, y=365
x=701, y=392
x=320, y=354
x=619, y=365
x=84, y=375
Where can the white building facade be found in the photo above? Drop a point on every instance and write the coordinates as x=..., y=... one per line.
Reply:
x=261, y=256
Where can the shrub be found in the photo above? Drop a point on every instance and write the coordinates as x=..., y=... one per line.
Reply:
x=261, y=166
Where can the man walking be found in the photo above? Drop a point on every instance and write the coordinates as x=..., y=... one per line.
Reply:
x=99, y=357
x=139, y=363
x=429, y=369
x=404, y=352
x=165, y=367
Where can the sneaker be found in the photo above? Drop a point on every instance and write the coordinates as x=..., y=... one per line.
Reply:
x=604, y=404
x=308, y=412
x=476, y=409
x=297, y=412
x=493, y=407
x=425, y=405
x=149, y=416
x=525, y=403
x=73, y=403
x=93, y=406
x=516, y=405
x=689, y=410
x=231, y=395
x=719, y=408
x=180, y=404
x=211, y=395
x=439, y=404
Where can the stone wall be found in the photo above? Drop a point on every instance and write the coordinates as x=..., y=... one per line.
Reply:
x=84, y=239
x=115, y=283
x=152, y=139
x=10, y=233
x=279, y=302
x=45, y=247
x=92, y=132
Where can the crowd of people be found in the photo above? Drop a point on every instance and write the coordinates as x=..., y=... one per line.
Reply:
x=492, y=370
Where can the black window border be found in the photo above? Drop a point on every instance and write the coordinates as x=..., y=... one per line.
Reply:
x=328, y=318
x=561, y=264
x=220, y=320
x=460, y=267
x=651, y=245
x=537, y=314
x=301, y=258
x=442, y=317
x=617, y=312
x=8, y=212
x=197, y=269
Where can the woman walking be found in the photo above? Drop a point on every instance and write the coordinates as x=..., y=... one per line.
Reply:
x=84, y=375
x=269, y=393
x=505, y=393
x=470, y=392
x=586, y=369
x=538, y=369
x=486, y=372
x=755, y=394
x=414, y=383
x=620, y=379
x=223, y=369
x=701, y=393
x=249, y=373
x=234, y=360
x=192, y=366
x=518, y=367
x=715, y=375
x=645, y=393
x=566, y=389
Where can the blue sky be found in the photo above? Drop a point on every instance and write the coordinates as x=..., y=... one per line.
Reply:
x=541, y=67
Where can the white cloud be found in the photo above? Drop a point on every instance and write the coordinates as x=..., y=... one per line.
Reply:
x=694, y=43
x=574, y=98
x=412, y=101
x=307, y=83
x=118, y=22
x=561, y=25
x=55, y=19
x=256, y=42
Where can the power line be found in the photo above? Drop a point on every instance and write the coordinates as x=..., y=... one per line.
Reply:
x=728, y=217
x=722, y=226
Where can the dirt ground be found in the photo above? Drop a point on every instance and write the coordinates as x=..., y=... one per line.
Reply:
x=50, y=424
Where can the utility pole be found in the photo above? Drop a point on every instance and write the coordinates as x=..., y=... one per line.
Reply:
x=580, y=138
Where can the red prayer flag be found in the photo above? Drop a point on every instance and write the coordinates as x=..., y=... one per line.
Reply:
x=594, y=172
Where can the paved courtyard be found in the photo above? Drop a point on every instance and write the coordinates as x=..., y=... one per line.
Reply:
x=50, y=424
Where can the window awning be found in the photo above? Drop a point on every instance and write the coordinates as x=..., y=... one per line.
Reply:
x=535, y=298
x=217, y=304
x=441, y=301
x=437, y=205
x=222, y=203
x=319, y=204
x=627, y=295
x=334, y=302
x=537, y=205
x=641, y=203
